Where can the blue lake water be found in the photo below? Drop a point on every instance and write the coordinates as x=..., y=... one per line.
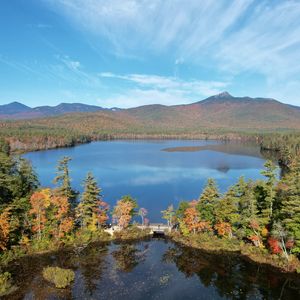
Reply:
x=154, y=177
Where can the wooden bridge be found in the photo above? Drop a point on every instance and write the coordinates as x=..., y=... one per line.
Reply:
x=155, y=228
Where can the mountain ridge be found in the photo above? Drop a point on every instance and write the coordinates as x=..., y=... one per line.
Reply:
x=219, y=111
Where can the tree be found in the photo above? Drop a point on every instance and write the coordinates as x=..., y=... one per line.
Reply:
x=89, y=210
x=124, y=211
x=8, y=184
x=27, y=179
x=169, y=215
x=290, y=203
x=4, y=147
x=183, y=205
x=40, y=201
x=281, y=236
x=270, y=173
x=59, y=216
x=143, y=213
x=4, y=228
x=64, y=182
x=191, y=218
x=207, y=201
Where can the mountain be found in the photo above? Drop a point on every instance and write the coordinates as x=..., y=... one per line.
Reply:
x=13, y=108
x=222, y=111
x=16, y=110
x=219, y=112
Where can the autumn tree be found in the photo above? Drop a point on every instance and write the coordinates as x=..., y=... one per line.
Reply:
x=169, y=215
x=124, y=211
x=39, y=201
x=4, y=228
x=59, y=216
x=143, y=213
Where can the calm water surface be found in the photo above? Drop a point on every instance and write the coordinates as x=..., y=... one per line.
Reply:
x=154, y=269
x=154, y=177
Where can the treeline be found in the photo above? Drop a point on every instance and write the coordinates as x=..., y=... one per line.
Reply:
x=264, y=213
x=37, y=218
x=73, y=129
x=286, y=146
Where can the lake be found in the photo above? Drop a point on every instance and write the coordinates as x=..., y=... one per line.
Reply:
x=151, y=269
x=150, y=172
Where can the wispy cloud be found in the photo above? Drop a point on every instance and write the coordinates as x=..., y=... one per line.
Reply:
x=232, y=36
x=72, y=71
x=149, y=89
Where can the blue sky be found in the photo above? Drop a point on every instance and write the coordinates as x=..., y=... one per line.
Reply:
x=127, y=53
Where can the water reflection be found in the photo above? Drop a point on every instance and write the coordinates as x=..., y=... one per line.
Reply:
x=152, y=270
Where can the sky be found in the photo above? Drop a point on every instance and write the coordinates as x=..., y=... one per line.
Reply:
x=126, y=53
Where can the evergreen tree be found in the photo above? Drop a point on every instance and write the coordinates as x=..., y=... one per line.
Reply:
x=183, y=205
x=27, y=179
x=7, y=179
x=4, y=147
x=290, y=199
x=63, y=181
x=227, y=208
x=270, y=173
x=91, y=198
x=207, y=201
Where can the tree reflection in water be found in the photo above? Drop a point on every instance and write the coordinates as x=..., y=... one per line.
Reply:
x=232, y=277
x=127, y=257
x=152, y=269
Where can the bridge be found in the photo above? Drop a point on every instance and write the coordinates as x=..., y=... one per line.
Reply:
x=155, y=228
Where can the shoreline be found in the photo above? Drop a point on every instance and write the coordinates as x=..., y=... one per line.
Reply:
x=134, y=234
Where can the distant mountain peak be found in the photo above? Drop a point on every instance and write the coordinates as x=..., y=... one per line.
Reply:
x=223, y=95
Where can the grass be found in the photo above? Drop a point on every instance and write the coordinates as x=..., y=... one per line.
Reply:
x=6, y=286
x=61, y=278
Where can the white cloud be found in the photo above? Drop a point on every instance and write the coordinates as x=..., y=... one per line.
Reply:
x=150, y=89
x=233, y=36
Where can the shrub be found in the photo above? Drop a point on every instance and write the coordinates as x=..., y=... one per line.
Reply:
x=6, y=286
x=60, y=277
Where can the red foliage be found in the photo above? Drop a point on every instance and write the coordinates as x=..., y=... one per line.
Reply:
x=274, y=245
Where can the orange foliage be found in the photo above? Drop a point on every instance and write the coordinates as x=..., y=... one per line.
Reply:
x=64, y=223
x=122, y=213
x=223, y=228
x=102, y=210
x=4, y=228
x=39, y=201
x=191, y=218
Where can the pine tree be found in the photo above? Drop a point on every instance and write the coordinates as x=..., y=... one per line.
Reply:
x=63, y=180
x=207, y=201
x=88, y=208
x=290, y=200
x=227, y=208
x=270, y=173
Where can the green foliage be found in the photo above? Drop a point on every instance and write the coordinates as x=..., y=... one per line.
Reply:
x=208, y=200
x=61, y=278
x=63, y=181
x=87, y=208
x=6, y=286
x=290, y=203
